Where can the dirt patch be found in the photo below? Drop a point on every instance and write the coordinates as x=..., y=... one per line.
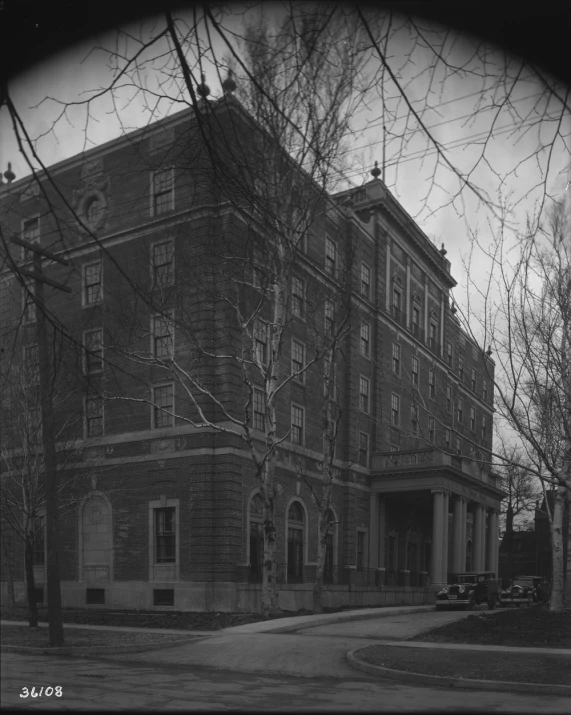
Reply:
x=534, y=627
x=475, y=665
x=26, y=637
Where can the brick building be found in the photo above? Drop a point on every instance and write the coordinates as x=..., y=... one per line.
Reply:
x=164, y=513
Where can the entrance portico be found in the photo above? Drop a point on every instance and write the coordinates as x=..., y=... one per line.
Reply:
x=430, y=494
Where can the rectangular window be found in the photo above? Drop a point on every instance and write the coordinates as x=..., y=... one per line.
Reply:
x=93, y=345
x=448, y=398
x=93, y=416
x=363, y=393
x=414, y=419
x=31, y=234
x=431, y=430
x=459, y=410
x=163, y=406
x=297, y=420
x=162, y=263
x=365, y=280
x=433, y=334
x=485, y=390
x=484, y=427
x=327, y=364
x=396, y=359
x=39, y=555
x=297, y=296
x=473, y=380
x=396, y=299
x=328, y=438
x=165, y=535
x=365, y=339
x=94, y=596
x=360, y=550
x=458, y=443
x=162, y=336
x=259, y=410
x=447, y=438
x=28, y=302
x=297, y=359
x=31, y=364
x=329, y=317
x=261, y=343
x=163, y=597
x=415, y=371
x=449, y=353
x=395, y=409
x=416, y=330
x=162, y=183
x=431, y=383
x=363, y=449
x=472, y=418
x=330, y=256
x=461, y=369
x=92, y=284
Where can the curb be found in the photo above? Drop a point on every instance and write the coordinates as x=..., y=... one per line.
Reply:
x=85, y=651
x=311, y=621
x=408, y=676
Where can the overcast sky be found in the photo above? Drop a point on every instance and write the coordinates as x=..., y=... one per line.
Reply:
x=460, y=109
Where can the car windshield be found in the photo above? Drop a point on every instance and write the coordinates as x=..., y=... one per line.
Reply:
x=467, y=578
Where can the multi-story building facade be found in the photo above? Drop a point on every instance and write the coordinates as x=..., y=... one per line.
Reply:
x=164, y=510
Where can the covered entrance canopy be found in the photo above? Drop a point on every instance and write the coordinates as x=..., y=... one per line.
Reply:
x=432, y=511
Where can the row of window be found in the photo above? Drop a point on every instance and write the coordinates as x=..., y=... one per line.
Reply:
x=396, y=413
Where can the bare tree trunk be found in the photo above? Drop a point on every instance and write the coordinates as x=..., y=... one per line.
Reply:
x=556, y=603
x=31, y=583
x=269, y=587
x=10, y=572
x=567, y=575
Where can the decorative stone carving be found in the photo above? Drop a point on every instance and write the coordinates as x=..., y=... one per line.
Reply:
x=95, y=515
x=90, y=199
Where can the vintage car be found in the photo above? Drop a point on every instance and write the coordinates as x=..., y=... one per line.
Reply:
x=465, y=591
x=522, y=590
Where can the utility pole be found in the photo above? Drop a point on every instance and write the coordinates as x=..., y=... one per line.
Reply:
x=55, y=616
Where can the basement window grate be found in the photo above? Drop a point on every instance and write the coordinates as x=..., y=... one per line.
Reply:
x=94, y=596
x=163, y=597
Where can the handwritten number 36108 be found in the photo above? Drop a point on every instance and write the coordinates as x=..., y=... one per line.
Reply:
x=57, y=691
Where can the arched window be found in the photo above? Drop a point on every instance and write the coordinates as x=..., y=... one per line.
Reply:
x=256, y=536
x=295, y=527
x=329, y=568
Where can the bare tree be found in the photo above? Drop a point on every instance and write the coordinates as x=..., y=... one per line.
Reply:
x=527, y=322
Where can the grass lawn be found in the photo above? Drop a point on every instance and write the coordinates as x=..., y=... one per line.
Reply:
x=534, y=627
x=476, y=665
x=38, y=637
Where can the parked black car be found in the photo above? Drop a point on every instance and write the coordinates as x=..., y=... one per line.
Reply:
x=465, y=591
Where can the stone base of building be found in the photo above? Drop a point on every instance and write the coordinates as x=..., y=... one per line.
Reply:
x=226, y=597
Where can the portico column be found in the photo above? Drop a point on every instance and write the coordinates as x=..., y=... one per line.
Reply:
x=493, y=541
x=464, y=531
x=477, y=543
x=382, y=532
x=459, y=545
x=374, y=531
x=445, y=508
x=436, y=575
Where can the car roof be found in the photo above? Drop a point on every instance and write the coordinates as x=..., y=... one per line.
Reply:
x=477, y=573
x=528, y=576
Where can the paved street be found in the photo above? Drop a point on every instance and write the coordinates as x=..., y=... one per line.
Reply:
x=237, y=670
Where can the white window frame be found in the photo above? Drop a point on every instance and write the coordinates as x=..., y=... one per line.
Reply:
x=259, y=330
x=166, y=319
x=366, y=460
x=29, y=307
x=473, y=418
x=473, y=379
x=302, y=434
x=364, y=382
x=365, y=341
x=301, y=377
x=365, y=273
x=460, y=410
x=396, y=359
x=449, y=353
x=330, y=257
x=449, y=399
x=431, y=382
x=258, y=393
x=415, y=370
x=27, y=255
x=484, y=427
x=414, y=424
x=153, y=209
x=154, y=408
x=395, y=400
x=431, y=430
x=297, y=282
x=163, y=570
x=84, y=286
x=154, y=265
x=87, y=352
x=86, y=400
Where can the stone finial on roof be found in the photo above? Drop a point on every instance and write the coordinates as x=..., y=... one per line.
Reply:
x=229, y=85
x=376, y=172
x=203, y=89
